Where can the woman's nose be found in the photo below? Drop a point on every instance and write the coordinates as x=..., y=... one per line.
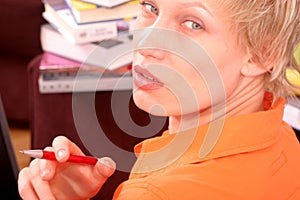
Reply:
x=152, y=53
x=152, y=42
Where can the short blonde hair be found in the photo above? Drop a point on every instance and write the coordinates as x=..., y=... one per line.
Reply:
x=270, y=30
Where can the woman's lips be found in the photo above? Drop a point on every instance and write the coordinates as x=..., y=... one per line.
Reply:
x=144, y=79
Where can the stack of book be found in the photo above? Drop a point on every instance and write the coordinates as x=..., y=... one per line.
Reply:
x=91, y=36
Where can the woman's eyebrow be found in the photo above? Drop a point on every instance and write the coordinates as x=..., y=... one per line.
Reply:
x=194, y=4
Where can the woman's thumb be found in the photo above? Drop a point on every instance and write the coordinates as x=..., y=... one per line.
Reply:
x=106, y=166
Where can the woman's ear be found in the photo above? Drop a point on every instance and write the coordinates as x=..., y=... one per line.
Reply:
x=253, y=67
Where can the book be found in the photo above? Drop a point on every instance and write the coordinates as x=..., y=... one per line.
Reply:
x=59, y=74
x=292, y=112
x=58, y=14
x=107, y=3
x=111, y=54
x=65, y=82
x=55, y=63
x=52, y=63
x=84, y=12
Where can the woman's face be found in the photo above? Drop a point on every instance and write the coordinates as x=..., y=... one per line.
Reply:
x=166, y=84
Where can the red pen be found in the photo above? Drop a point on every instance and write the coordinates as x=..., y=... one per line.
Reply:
x=49, y=155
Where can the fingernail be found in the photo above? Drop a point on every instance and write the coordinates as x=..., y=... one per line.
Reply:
x=45, y=172
x=61, y=153
x=109, y=166
x=108, y=162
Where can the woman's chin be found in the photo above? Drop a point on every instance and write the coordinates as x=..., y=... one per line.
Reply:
x=150, y=107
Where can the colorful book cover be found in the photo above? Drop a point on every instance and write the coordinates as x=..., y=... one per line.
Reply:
x=92, y=54
x=85, y=12
x=51, y=61
x=107, y=3
x=59, y=15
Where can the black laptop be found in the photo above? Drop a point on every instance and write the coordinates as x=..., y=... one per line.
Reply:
x=8, y=164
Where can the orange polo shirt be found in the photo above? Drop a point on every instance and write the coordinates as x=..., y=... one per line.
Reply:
x=255, y=157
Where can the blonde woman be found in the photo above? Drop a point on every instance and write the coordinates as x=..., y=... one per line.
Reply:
x=217, y=70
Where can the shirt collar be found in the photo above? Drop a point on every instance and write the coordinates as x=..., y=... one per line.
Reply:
x=238, y=134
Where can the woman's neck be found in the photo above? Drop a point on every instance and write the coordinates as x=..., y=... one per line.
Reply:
x=243, y=100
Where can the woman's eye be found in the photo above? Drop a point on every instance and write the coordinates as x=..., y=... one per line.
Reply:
x=193, y=25
x=150, y=8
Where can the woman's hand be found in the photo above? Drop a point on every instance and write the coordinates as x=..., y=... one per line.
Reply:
x=45, y=179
